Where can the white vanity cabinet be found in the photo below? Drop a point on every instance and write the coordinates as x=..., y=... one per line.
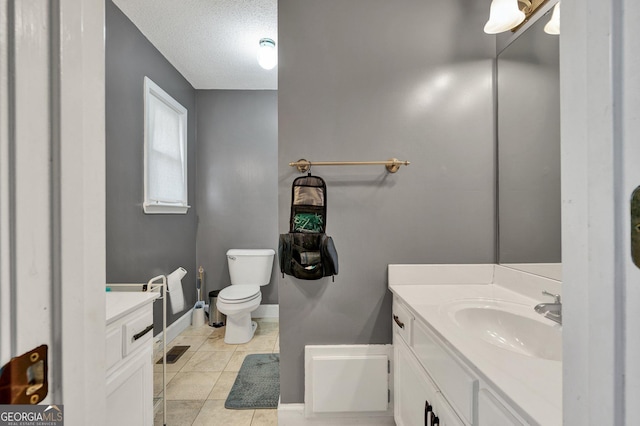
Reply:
x=427, y=372
x=129, y=356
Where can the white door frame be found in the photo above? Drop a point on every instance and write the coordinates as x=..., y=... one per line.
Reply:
x=599, y=80
x=599, y=73
x=82, y=198
x=52, y=195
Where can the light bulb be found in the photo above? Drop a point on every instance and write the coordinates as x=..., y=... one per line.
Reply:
x=267, y=54
x=553, y=26
x=503, y=15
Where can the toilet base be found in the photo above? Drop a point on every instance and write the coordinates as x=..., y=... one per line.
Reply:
x=239, y=329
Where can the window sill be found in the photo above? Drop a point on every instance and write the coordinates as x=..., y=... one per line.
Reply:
x=165, y=208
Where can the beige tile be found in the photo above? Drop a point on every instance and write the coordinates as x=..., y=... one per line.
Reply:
x=184, y=340
x=179, y=413
x=276, y=347
x=218, y=331
x=207, y=361
x=201, y=378
x=157, y=382
x=204, y=330
x=236, y=360
x=177, y=366
x=259, y=343
x=267, y=329
x=223, y=386
x=191, y=385
x=265, y=418
x=215, y=342
x=213, y=413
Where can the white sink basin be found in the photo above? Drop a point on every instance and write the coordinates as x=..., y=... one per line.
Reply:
x=512, y=326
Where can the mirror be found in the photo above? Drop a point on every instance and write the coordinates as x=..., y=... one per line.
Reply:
x=528, y=86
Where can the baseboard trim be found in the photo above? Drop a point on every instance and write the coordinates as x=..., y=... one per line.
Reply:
x=173, y=330
x=266, y=311
x=293, y=415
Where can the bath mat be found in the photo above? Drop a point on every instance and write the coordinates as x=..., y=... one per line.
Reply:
x=174, y=354
x=257, y=384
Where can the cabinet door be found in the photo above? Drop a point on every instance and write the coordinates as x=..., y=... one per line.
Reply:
x=130, y=391
x=412, y=388
x=447, y=416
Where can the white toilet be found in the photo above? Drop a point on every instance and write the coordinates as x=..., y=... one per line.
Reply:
x=248, y=269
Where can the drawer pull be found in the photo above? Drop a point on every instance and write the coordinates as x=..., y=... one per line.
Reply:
x=428, y=410
x=397, y=320
x=143, y=332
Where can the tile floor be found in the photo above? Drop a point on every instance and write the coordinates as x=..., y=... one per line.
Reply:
x=199, y=382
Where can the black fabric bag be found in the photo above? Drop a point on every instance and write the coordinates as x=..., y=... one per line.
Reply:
x=306, y=252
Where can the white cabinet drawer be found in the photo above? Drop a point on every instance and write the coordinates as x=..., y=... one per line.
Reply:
x=137, y=330
x=402, y=321
x=114, y=345
x=457, y=384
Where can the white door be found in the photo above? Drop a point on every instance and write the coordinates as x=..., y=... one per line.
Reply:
x=600, y=104
x=630, y=91
x=52, y=196
x=29, y=316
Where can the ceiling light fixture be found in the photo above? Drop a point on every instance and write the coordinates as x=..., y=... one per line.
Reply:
x=506, y=15
x=553, y=26
x=267, y=53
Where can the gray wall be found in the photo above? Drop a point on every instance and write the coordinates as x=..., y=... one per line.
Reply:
x=529, y=148
x=141, y=246
x=370, y=80
x=237, y=182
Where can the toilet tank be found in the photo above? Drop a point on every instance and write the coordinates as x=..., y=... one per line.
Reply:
x=250, y=267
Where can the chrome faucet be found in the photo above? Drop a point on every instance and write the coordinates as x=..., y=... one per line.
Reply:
x=553, y=311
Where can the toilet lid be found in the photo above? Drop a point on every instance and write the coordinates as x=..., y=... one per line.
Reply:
x=239, y=293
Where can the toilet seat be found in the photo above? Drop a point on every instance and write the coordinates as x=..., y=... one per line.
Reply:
x=239, y=293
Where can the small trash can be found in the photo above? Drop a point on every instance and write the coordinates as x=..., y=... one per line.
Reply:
x=216, y=318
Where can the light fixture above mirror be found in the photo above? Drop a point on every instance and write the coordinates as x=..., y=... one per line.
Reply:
x=506, y=15
x=553, y=26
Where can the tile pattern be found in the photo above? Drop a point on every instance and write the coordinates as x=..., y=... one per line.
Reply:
x=199, y=382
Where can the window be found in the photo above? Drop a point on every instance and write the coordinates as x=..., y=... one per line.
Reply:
x=165, y=152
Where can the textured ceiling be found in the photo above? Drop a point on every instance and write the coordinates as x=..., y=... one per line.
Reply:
x=213, y=43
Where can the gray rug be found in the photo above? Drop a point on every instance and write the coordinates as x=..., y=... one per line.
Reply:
x=257, y=384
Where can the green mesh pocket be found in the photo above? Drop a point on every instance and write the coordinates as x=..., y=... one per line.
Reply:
x=307, y=222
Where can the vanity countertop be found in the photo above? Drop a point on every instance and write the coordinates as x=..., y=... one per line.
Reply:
x=120, y=303
x=532, y=384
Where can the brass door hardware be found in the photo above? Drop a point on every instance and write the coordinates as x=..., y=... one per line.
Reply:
x=23, y=380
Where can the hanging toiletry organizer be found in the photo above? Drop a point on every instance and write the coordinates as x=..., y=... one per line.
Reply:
x=307, y=252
